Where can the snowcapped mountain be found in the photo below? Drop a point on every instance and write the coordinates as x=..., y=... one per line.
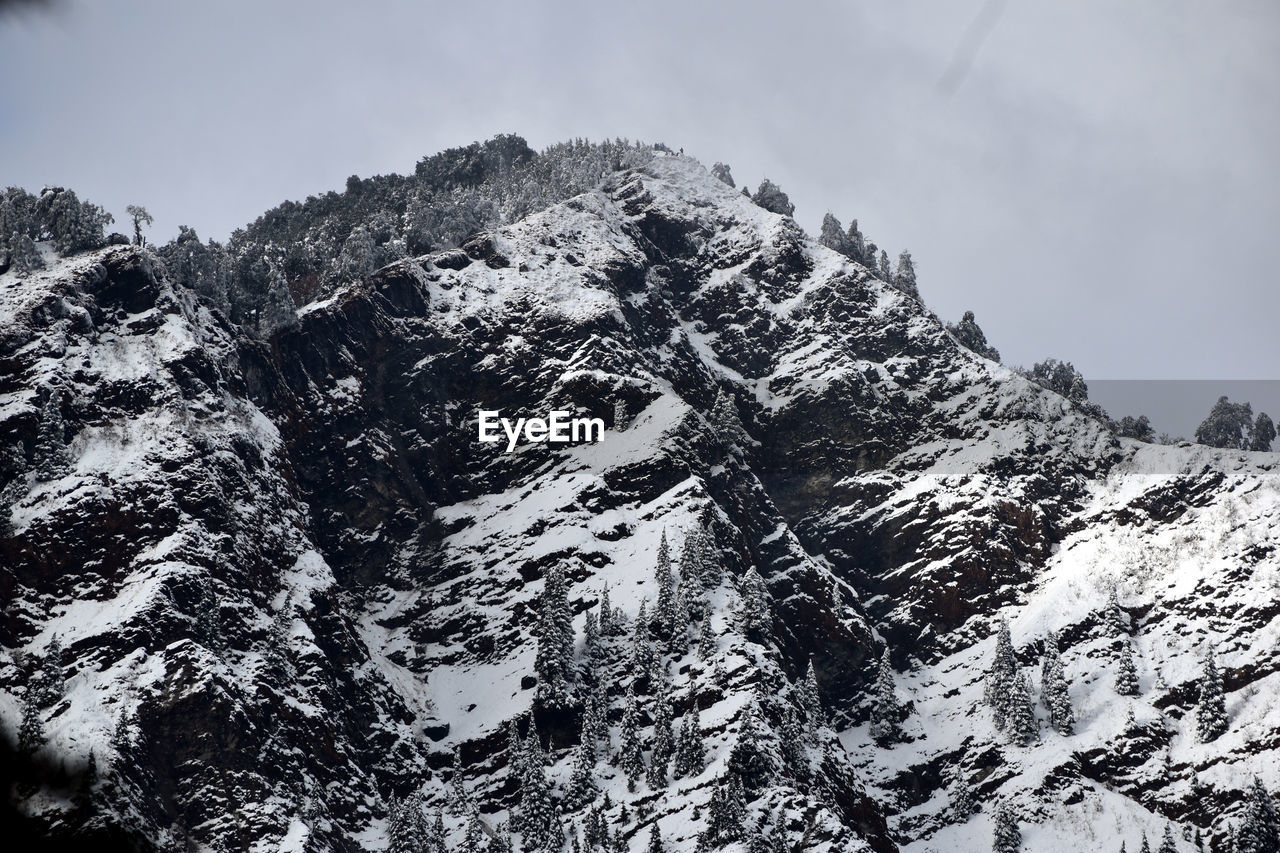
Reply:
x=286, y=600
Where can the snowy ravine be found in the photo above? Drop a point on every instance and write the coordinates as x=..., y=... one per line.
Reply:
x=287, y=601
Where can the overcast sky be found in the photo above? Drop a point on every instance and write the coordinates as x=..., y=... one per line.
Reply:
x=1100, y=182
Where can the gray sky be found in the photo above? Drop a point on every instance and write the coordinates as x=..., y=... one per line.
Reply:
x=1100, y=182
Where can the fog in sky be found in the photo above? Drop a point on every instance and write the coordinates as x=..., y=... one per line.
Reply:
x=1099, y=182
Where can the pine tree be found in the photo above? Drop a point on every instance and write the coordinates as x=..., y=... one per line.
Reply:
x=833, y=236
x=1146, y=846
x=748, y=759
x=31, y=734
x=970, y=335
x=539, y=822
x=885, y=271
x=621, y=420
x=707, y=645
x=1264, y=432
x=666, y=611
x=458, y=798
x=691, y=572
x=1126, y=671
x=435, y=836
x=1007, y=836
x=515, y=752
x=51, y=457
x=1259, y=829
x=905, y=277
x=1021, y=726
x=663, y=738
x=778, y=838
x=49, y=682
x=726, y=811
x=474, y=840
x=771, y=197
x=356, y=261
x=608, y=627
x=630, y=758
x=885, y=710
x=811, y=701
x=279, y=311
x=756, y=621
x=14, y=464
x=690, y=757
x=1000, y=678
x=792, y=741
x=1167, y=844
x=642, y=655
x=858, y=245
x=725, y=420
x=655, y=840
x=1053, y=689
x=554, y=656
x=1117, y=624
x=1211, y=712
x=582, y=782
x=962, y=804
x=1228, y=425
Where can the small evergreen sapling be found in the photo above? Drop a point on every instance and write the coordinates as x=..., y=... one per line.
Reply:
x=1167, y=844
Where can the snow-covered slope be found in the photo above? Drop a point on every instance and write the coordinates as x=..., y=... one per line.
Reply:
x=291, y=586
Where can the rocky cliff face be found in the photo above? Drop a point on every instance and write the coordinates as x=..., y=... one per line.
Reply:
x=290, y=585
